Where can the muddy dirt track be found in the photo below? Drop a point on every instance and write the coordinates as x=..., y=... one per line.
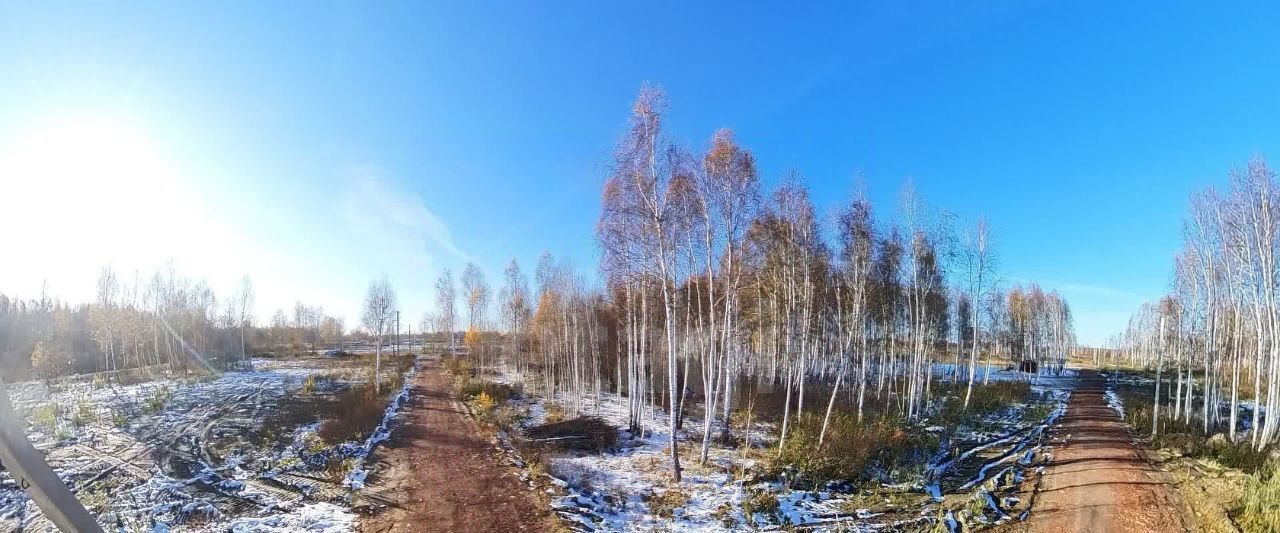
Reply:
x=439, y=473
x=1099, y=480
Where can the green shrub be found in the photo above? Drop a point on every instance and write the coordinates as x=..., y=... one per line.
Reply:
x=46, y=415
x=1240, y=455
x=337, y=468
x=1037, y=412
x=287, y=463
x=314, y=445
x=158, y=399
x=985, y=400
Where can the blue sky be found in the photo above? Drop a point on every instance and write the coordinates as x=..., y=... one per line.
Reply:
x=316, y=146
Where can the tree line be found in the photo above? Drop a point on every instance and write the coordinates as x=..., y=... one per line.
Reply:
x=1214, y=339
x=166, y=320
x=709, y=282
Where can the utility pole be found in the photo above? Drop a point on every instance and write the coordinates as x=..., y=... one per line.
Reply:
x=397, y=348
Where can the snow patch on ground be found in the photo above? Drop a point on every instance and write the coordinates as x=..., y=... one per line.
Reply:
x=149, y=439
x=995, y=373
x=612, y=491
x=1114, y=402
x=311, y=517
x=355, y=478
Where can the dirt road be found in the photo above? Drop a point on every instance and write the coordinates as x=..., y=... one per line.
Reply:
x=1098, y=479
x=443, y=475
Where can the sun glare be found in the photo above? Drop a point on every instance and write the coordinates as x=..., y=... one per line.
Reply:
x=81, y=159
x=88, y=190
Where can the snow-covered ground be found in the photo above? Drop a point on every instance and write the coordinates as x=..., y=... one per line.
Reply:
x=1045, y=380
x=616, y=490
x=225, y=452
x=1119, y=381
x=611, y=491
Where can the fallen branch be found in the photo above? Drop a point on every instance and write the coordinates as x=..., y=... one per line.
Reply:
x=548, y=439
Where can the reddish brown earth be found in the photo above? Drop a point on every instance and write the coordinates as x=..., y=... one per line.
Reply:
x=438, y=472
x=1099, y=479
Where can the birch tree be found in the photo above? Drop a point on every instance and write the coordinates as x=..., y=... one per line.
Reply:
x=244, y=314
x=379, y=311
x=646, y=169
x=978, y=266
x=446, y=306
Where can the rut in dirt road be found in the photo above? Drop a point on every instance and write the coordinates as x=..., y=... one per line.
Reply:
x=1099, y=480
x=442, y=474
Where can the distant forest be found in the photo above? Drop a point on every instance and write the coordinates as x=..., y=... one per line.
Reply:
x=168, y=320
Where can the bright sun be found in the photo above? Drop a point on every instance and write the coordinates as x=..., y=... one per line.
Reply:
x=90, y=191
x=93, y=160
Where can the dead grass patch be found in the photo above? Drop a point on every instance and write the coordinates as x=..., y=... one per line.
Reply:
x=354, y=413
x=762, y=501
x=1208, y=490
x=665, y=502
x=458, y=366
x=871, y=450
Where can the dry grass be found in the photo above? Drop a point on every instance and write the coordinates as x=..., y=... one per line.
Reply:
x=555, y=413
x=883, y=447
x=986, y=399
x=487, y=401
x=665, y=502
x=498, y=393
x=572, y=473
x=354, y=413
x=1259, y=508
x=880, y=449
x=458, y=366
x=1208, y=490
x=1189, y=438
x=761, y=501
x=1219, y=499
x=1224, y=485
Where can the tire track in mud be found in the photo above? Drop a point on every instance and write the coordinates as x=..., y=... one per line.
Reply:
x=992, y=470
x=170, y=456
x=285, y=487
